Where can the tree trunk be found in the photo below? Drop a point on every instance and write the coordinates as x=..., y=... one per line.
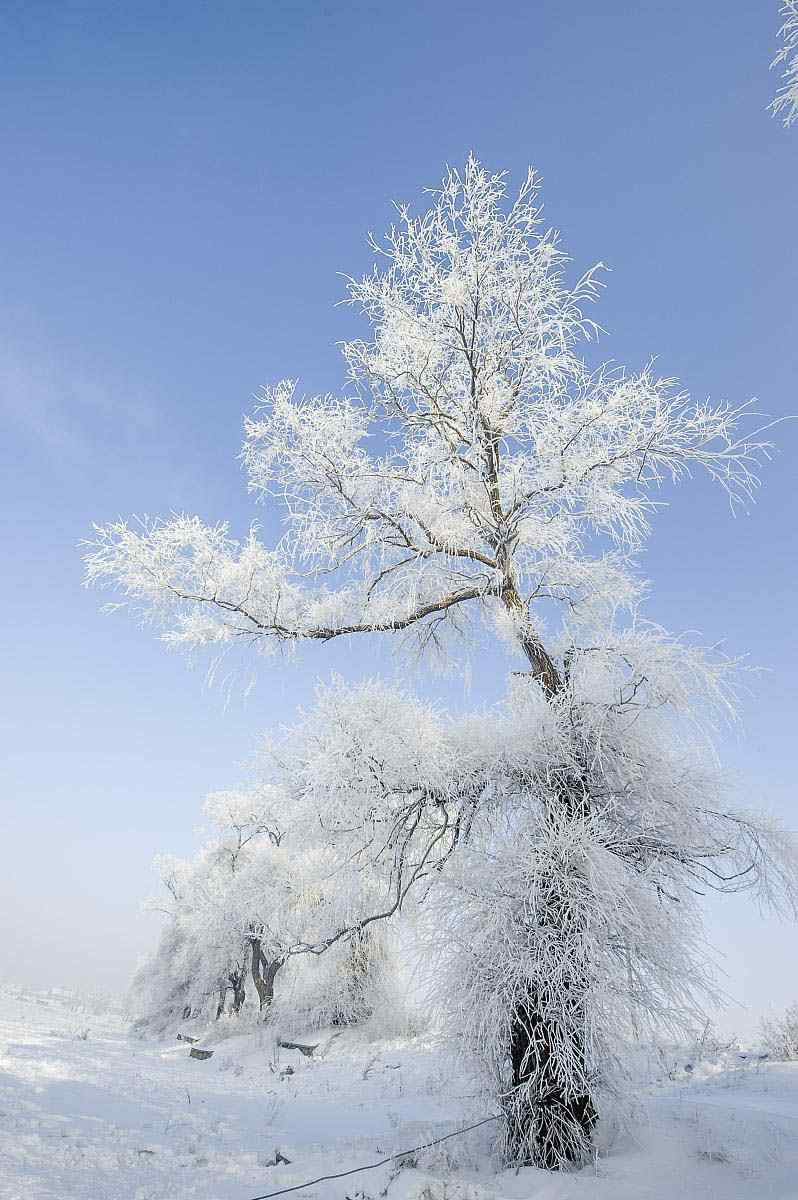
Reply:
x=239, y=991
x=549, y=1111
x=549, y=1119
x=263, y=973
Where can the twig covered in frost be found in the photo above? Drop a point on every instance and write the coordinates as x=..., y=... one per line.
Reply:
x=786, y=101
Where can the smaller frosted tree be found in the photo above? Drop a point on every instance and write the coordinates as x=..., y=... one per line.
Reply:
x=164, y=990
x=195, y=963
x=780, y=1034
x=254, y=886
x=223, y=921
x=236, y=914
x=786, y=101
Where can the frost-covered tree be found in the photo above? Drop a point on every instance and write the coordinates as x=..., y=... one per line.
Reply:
x=786, y=101
x=223, y=919
x=780, y=1034
x=466, y=471
x=235, y=913
x=253, y=889
x=555, y=929
x=478, y=466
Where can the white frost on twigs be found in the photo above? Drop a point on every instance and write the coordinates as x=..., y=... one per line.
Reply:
x=786, y=101
x=474, y=461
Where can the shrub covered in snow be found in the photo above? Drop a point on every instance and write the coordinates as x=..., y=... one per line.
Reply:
x=780, y=1034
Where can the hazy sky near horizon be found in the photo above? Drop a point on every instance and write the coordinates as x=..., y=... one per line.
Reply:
x=182, y=186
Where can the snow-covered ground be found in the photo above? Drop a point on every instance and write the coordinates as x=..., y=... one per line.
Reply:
x=88, y=1112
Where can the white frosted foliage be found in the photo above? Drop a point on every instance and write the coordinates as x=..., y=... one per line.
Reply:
x=474, y=455
x=785, y=104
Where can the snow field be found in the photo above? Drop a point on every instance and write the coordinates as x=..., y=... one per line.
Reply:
x=88, y=1113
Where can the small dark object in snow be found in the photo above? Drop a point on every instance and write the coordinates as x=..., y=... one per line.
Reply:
x=303, y=1049
x=183, y=1037
x=145, y=1152
x=286, y=1071
x=277, y=1160
x=688, y=1068
x=195, y=1053
x=718, y=1156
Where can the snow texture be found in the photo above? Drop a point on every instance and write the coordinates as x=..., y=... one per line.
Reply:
x=90, y=1114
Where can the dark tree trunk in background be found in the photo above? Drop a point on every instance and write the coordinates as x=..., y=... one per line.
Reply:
x=263, y=973
x=239, y=990
x=234, y=983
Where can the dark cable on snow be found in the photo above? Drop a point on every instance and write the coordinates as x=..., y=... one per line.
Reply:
x=297, y=1187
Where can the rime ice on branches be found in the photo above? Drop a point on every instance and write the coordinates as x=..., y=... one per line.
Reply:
x=786, y=101
x=473, y=459
x=479, y=465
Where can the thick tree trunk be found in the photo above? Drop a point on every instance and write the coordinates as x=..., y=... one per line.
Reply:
x=263, y=973
x=549, y=1120
x=549, y=1111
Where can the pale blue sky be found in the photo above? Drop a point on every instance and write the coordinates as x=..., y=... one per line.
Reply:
x=182, y=184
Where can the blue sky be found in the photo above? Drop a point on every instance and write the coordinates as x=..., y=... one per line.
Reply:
x=182, y=186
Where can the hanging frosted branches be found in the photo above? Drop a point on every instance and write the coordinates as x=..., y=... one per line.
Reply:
x=560, y=849
x=391, y=785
